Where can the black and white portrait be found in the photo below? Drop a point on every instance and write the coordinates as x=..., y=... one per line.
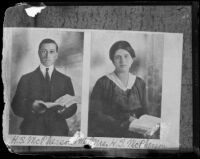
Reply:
x=45, y=76
x=125, y=83
x=112, y=89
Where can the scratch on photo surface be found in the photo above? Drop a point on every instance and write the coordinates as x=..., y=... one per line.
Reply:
x=78, y=136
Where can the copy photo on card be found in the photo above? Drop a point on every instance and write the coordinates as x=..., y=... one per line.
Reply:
x=135, y=88
x=103, y=88
x=42, y=75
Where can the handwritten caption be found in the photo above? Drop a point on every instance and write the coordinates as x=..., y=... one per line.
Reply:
x=81, y=141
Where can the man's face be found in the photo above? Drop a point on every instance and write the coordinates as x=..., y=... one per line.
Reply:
x=48, y=54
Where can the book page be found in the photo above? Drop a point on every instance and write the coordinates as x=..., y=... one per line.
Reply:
x=146, y=122
x=67, y=100
x=150, y=118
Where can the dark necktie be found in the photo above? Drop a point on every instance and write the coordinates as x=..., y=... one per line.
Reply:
x=47, y=75
x=48, y=86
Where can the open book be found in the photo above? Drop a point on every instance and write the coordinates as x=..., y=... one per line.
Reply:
x=146, y=125
x=62, y=102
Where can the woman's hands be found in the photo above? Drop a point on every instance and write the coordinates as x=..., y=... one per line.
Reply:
x=127, y=122
x=132, y=117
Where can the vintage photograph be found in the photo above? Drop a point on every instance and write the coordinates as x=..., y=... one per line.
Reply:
x=125, y=85
x=105, y=88
x=44, y=75
x=114, y=79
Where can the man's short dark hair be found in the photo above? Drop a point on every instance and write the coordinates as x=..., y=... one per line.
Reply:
x=47, y=41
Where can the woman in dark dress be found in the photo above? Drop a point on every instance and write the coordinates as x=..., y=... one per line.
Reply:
x=117, y=98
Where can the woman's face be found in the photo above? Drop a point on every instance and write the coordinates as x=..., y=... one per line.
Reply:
x=122, y=60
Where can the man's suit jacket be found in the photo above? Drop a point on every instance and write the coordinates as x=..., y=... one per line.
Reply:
x=31, y=87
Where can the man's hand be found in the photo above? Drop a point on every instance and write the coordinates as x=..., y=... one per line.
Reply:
x=36, y=103
x=66, y=101
x=38, y=106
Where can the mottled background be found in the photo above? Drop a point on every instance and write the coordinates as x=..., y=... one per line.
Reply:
x=175, y=19
x=147, y=63
x=25, y=59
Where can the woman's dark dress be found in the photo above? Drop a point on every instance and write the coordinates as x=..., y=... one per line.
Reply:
x=111, y=107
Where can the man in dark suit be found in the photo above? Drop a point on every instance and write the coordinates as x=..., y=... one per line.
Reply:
x=36, y=89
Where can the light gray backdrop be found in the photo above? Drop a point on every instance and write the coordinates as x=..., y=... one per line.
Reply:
x=24, y=59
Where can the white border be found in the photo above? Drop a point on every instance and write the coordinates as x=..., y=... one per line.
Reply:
x=171, y=90
x=85, y=83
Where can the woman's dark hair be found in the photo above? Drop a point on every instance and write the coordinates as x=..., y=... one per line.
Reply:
x=121, y=45
x=47, y=41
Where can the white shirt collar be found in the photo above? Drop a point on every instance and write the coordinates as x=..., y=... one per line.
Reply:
x=131, y=80
x=43, y=69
